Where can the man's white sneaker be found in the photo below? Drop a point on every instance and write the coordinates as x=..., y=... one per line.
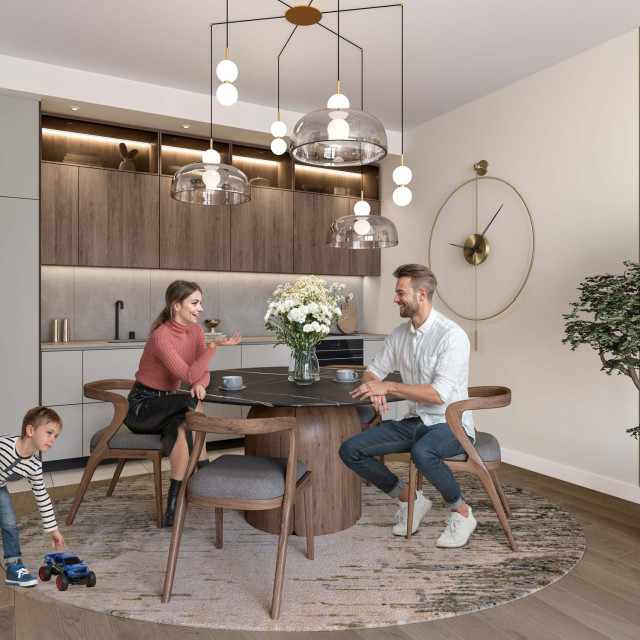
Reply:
x=421, y=506
x=458, y=530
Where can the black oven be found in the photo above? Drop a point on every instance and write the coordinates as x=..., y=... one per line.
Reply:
x=340, y=351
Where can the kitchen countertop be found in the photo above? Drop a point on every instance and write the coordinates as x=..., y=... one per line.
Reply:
x=84, y=345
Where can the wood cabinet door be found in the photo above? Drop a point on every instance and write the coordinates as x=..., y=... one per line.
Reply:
x=59, y=214
x=365, y=262
x=312, y=217
x=118, y=215
x=262, y=232
x=192, y=236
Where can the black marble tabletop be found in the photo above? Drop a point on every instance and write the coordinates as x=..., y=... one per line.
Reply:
x=269, y=387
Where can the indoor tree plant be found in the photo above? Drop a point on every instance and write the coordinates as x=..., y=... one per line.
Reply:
x=607, y=318
x=301, y=315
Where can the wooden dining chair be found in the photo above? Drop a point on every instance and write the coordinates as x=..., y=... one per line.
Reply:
x=119, y=442
x=250, y=483
x=481, y=459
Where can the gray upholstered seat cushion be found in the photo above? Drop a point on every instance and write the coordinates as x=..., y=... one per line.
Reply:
x=126, y=439
x=366, y=412
x=243, y=478
x=486, y=445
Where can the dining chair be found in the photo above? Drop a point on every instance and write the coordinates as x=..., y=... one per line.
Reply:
x=248, y=483
x=482, y=458
x=119, y=442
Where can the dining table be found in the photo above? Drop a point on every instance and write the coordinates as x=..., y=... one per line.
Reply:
x=326, y=415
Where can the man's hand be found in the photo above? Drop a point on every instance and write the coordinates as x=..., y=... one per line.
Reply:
x=376, y=391
x=57, y=541
x=198, y=391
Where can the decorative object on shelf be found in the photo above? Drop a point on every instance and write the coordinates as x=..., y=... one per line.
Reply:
x=88, y=159
x=482, y=204
x=301, y=315
x=402, y=175
x=212, y=324
x=66, y=330
x=361, y=230
x=259, y=182
x=612, y=323
x=55, y=330
x=348, y=322
x=210, y=182
x=127, y=163
x=227, y=72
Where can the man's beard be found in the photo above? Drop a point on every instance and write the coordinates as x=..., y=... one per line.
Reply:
x=409, y=310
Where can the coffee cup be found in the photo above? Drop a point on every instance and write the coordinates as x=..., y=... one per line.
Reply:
x=346, y=375
x=232, y=382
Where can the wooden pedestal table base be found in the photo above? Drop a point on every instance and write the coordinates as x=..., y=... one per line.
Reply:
x=336, y=489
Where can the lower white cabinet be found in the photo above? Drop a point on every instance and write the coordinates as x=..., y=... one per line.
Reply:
x=223, y=358
x=110, y=364
x=95, y=416
x=265, y=355
x=69, y=442
x=61, y=377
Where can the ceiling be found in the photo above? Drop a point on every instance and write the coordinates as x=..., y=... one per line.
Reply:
x=455, y=50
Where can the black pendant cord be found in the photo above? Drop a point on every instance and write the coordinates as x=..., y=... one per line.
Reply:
x=338, y=43
x=227, y=22
x=361, y=79
x=402, y=80
x=211, y=83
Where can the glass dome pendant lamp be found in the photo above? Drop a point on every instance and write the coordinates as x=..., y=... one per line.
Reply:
x=338, y=136
x=210, y=182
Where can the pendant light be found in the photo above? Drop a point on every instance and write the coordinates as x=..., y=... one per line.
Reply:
x=402, y=175
x=278, y=128
x=210, y=182
x=338, y=136
x=227, y=72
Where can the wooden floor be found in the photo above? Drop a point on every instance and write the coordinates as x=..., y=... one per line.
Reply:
x=599, y=599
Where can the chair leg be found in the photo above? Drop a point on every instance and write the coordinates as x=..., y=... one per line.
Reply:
x=412, y=484
x=157, y=481
x=89, y=470
x=174, y=549
x=308, y=519
x=419, y=483
x=487, y=482
x=503, y=498
x=219, y=528
x=283, y=541
x=116, y=476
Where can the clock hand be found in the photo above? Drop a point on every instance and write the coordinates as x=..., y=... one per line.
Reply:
x=487, y=227
x=461, y=246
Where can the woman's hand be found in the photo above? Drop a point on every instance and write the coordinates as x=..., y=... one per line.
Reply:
x=228, y=342
x=198, y=391
x=57, y=541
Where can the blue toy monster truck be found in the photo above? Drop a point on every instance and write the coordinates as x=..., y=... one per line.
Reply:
x=68, y=568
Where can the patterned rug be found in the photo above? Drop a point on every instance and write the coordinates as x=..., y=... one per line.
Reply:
x=361, y=577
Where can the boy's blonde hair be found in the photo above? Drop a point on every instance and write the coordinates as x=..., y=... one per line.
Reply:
x=38, y=416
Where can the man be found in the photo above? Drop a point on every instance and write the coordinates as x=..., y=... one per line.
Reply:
x=432, y=354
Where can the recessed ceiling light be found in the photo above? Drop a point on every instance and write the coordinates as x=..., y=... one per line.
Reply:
x=186, y=126
x=74, y=108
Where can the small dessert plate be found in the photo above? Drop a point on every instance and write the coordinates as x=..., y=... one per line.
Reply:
x=345, y=381
x=223, y=388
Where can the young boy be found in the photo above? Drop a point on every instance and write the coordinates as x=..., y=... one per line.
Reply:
x=40, y=428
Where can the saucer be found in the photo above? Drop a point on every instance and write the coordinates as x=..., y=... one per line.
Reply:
x=223, y=388
x=345, y=381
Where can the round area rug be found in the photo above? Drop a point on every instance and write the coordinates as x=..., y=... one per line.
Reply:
x=361, y=577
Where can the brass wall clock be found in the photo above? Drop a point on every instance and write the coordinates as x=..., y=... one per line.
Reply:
x=482, y=246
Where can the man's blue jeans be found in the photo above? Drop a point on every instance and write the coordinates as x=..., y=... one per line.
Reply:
x=428, y=447
x=9, y=527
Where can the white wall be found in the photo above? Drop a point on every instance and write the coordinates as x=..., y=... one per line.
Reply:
x=567, y=138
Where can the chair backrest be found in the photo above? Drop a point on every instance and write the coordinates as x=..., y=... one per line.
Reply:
x=479, y=398
x=99, y=390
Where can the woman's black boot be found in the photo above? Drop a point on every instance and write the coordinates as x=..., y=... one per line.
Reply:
x=172, y=499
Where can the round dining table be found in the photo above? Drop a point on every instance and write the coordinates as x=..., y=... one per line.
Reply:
x=326, y=416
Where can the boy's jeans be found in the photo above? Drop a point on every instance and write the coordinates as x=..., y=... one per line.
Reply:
x=9, y=526
x=428, y=447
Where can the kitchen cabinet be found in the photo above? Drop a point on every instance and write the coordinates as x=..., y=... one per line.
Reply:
x=69, y=442
x=313, y=213
x=365, y=262
x=61, y=377
x=118, y=218
x=193, y=236
x=265, y=355
x=59, y=214
x=262, y=232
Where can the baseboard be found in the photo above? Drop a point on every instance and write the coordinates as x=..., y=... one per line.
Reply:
x=624, y=490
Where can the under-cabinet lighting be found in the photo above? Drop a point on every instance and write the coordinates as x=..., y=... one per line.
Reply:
x=92, y=136
x=167, y=147
x=74, y=108
x=255, y=159
x=300, y=167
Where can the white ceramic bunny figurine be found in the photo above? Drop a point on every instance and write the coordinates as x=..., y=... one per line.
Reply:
x=127, y=157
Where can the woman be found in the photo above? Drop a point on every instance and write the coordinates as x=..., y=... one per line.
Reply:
x=175, y=352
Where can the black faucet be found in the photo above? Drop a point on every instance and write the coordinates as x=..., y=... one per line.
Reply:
x=119, y=305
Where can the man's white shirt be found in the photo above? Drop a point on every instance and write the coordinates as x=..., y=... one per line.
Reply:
x=437, y=354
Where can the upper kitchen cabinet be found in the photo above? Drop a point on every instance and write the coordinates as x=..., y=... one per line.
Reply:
x=365, y=262
x=339, y=182
x=59, y=214
x=312, y=217
x=178, y=151
x=99, y=145
x=118, y=219
x=192, y=236
x=262, y=167
x=262, y=232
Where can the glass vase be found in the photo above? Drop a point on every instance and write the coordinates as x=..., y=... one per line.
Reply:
x=304, y=367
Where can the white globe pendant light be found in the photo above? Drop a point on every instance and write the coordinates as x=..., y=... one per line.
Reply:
x=402, y=196
x=402, y=175
x=278, y=129
x=362, y=208
x=338, y=101
x=211, y=156
x=227, y=94
x=278, y=146
x=227, y=71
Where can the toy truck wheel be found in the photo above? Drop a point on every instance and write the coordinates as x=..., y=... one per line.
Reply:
x=62, y=582
x=91, y=579
x=45, y=573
